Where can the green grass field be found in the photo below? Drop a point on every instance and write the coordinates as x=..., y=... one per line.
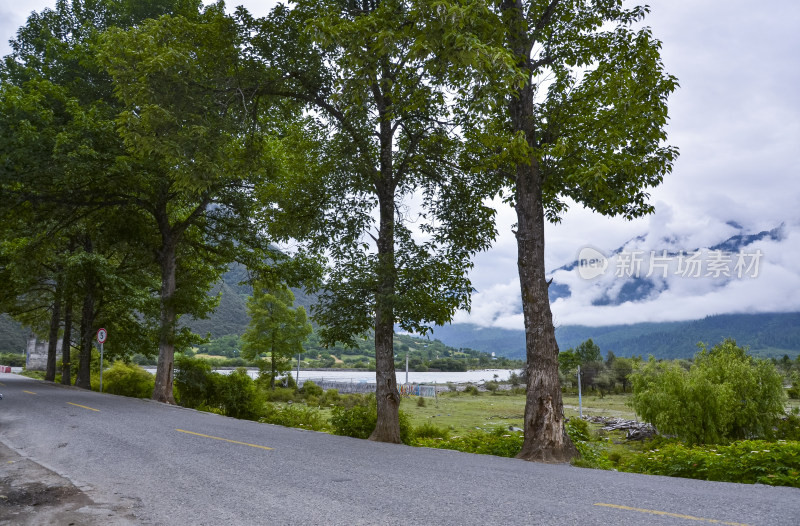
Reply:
x=463, y=412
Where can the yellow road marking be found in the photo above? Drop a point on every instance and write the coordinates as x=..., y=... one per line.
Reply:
x=29, y=392
x=223, y=439
x=84, y=407
x=1, y=383
x=668, y=514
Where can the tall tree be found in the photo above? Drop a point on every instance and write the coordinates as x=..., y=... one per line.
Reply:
x=580, y=117
x=57, y=150
x=275, y=328
x=195, y=165
x=400, y=220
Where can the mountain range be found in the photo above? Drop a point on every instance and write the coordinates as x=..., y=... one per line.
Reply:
x=767, y=335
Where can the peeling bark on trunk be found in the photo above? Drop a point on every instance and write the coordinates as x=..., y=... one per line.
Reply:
x=52, y=342
x=545, y=437
x=66, y=344
x=166, y=345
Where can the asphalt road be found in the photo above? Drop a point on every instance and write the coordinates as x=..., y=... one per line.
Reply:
x=170, y=465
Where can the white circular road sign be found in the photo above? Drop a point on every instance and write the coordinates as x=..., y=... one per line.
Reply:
x=102, y=334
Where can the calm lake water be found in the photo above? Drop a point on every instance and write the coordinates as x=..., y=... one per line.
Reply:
x=414, y=378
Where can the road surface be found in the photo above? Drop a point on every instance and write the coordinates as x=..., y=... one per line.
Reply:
x=141, y=462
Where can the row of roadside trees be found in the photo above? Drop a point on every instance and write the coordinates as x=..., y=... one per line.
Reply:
x=146, y=146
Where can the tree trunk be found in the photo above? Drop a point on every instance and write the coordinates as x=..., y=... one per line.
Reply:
x=55, y=324
x=83, y=378
x=545, y=437
x=166, y=344
x=387, y=428
x=66, y=344
x=272, y=363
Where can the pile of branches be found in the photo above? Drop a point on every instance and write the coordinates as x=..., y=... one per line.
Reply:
x=634, y=430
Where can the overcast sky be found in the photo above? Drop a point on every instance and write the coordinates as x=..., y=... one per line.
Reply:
x=736, y=121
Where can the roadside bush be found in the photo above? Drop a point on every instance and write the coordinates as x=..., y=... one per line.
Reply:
x=329, y=397
x=429, y=430
x=12, y=359
x=128, y=380
x=279, y=394
x=746, y=461
x=472, y=389
x=725, y=395
x=294, y=416
x=311, y=389
x=788, y=427
x=359, y=421
x=492, y=386
x=235, y=394
x=591, y=451
x=420, y=401
x=499, y=442
x=192, y=381
x=578, y=430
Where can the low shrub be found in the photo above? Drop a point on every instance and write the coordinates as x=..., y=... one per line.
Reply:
x=12, y=359
x=429, y=430
x=359, y=421
x=471, y=389
x=294, y=416
x=279, y=394
x=746, y=461
x=591, y=452
x=420, y=401
x=192, y=381
x=788, y=428
x=128, y=380
x=311, y=389
x=499, y=442
x=329, y=397
x=235, y=394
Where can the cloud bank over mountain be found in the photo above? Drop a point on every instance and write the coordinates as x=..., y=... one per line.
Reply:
x=672, y=272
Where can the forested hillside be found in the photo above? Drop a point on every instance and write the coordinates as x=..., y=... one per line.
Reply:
x=231, y=315
x=766, y=335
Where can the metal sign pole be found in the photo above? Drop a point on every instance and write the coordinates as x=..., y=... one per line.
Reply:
x=102, y=334
x=101, y=367
x=580, y=401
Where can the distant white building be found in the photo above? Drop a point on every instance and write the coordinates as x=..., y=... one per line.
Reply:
x=36, y=353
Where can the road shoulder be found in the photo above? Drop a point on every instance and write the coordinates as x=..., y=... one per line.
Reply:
x=31, y=494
